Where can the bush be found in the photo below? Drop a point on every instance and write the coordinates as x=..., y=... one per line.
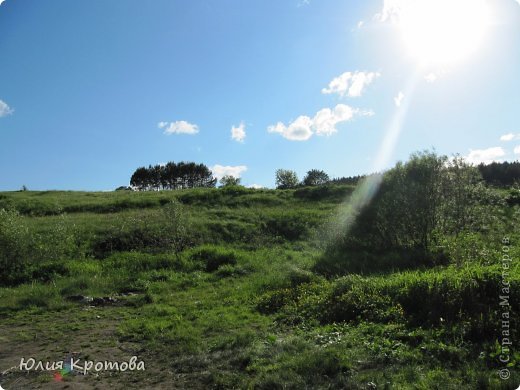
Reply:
x=175, y=227
x=416, y=205
x=337, y=261
x=121, y=240
x=291, y=225
x=228, y=270
x=514, y=196
x=44, y=296
x=229, y=231
x=353, y=300
x=272, y=301
x=168, y=229
x=213, y=257
x=48, y=271
x=464, y=300
x=59, y=242
x=14, y=248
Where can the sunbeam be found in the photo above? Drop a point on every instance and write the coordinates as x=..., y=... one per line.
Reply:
x=367, y=188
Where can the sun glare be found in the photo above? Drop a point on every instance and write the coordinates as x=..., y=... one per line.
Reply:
x=443, y=31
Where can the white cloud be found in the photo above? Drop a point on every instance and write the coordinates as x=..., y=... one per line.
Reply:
x=361, y=23
x=222, y=170
x=390, y=11
x=350, y=84
x=510, y=136
x=486, y=156
x=399, y=99
x=516, y=150
x=255, y=186
x=4, y=108
x=325, y=120
x=323, y=123
x=1, y=1
x=303, y=2
x=178, y=127
x=431, y=77
x=238, y=133
x=299, y=130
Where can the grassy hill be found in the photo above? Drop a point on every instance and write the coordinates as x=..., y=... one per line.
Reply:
x=239, y=288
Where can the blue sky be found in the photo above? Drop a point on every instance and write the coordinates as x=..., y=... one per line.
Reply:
x=91, y=90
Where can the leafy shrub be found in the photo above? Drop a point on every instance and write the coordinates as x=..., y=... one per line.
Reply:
x=291, y=225
x=337, y=261
x=514, y=196
x=6, y=203
x=42, y=296
x=227, y=270
x=274, y=300
x=353, y=300
x=120, y=240
x=465, y=299
x=416, y=205
x=76, y=286
x=168, y=229
x=14, y=248
x=175, y=227
x=59, y=242
x=48, y=271
x=297, y=276
x=213, y=257
x=229, y=231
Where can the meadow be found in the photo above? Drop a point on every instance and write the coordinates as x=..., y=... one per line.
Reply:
x=235, y=288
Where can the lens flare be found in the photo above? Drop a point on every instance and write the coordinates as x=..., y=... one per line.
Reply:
x=368, y=187
x=438, y=32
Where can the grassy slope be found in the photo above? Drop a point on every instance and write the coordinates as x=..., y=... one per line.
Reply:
x=262, y=319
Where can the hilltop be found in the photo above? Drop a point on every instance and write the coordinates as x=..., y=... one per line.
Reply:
x=254, y=288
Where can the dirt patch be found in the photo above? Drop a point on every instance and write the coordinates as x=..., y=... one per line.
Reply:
x=82, y=333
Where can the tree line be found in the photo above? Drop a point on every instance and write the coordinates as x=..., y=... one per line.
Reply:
x=501, y=173
x=286, y=178
x=181, y=175
x=172, y=176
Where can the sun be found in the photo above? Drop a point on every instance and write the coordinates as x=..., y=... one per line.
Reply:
x=437, y=32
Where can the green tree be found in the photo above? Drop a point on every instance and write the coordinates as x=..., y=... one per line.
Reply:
x=420, y=201
x=172, y=176
x=228, y=180
x=286, y=179
x=462, y=191
x=140, y=179
x=315, y=177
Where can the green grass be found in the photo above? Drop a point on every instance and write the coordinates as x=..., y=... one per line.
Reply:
x=252, y=301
